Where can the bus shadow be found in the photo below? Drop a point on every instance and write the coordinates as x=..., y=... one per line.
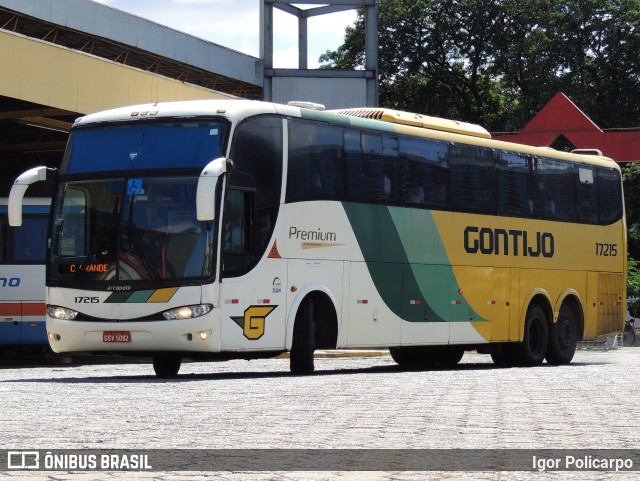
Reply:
x=284, y=374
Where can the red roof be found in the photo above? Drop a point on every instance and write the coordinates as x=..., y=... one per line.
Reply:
x=562, y=117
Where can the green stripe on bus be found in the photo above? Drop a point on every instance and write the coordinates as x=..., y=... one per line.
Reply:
x=407, y=261
x=429, y=262
x=118, y=297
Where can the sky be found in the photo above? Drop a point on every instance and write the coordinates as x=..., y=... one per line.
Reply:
x=235, y=24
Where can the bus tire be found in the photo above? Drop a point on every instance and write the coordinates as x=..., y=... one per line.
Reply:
x=414, y=357
x=402, y=356
x=304, y=340
x=166, y=366
x=450, y=356
x=533, y=348
x=563, y=337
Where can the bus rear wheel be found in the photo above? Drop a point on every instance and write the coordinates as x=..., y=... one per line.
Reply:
x=304, y=340
x=166, y=366
x=563, y=337
x=533, y=348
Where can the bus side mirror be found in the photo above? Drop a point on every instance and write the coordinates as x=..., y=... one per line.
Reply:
x=206, y=192
x=20, y=186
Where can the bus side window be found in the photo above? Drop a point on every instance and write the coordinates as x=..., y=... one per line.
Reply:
x=29, y=240
x=609, y=196
x=472, y=179
x=556, y=190
x=372, y=167
x=516, y=187
x=391, y=177
x=3, y=244
x=424, y=173
x=587, y=195
x=237, y=236
x=315, y=162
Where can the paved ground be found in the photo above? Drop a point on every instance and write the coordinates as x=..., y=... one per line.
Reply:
x=352, y=402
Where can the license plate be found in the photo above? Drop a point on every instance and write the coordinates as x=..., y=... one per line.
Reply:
x=116, y=336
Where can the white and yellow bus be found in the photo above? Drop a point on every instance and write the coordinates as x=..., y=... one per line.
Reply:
x=243, y=229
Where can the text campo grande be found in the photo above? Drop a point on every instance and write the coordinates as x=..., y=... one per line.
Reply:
x=97, y=461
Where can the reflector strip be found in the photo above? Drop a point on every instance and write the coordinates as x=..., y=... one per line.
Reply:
x=13, y=309
x=24, y=309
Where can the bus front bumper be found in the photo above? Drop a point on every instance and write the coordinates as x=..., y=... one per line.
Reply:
x=200, y=334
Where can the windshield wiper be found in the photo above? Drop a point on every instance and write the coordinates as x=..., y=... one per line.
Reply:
x=136, y=242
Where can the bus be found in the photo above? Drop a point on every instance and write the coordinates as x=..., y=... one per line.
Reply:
x=243, y=229
x=22, y=280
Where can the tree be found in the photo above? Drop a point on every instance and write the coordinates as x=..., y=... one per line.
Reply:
x=432, y=57
x=498, y=62
x=631, y=180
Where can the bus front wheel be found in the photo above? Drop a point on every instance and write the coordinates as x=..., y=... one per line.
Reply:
x=563, y=337
x=304, y=340
x=166, y=366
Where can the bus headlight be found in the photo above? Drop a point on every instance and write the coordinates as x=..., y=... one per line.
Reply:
x=187, y=312
x=58, y=312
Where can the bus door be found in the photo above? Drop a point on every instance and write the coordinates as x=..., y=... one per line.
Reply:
x=252, y=294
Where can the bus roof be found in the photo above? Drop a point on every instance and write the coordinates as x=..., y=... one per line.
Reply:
x=418, y=120
x=386, y=120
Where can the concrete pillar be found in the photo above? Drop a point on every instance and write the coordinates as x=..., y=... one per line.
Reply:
x=266, y=44
x=371, y=52
x=302, y=42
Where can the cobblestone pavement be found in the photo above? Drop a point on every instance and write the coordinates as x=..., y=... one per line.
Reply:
x=351, y=402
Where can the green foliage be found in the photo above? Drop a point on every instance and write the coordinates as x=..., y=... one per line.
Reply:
x=631, y=180
x=633, y=287
x=498, y=62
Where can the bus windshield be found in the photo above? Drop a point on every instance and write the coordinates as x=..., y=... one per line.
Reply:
x=152, y=145
x=125, y=211
x=140, y=230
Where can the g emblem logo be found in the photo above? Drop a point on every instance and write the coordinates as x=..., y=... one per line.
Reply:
x=253, y=322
